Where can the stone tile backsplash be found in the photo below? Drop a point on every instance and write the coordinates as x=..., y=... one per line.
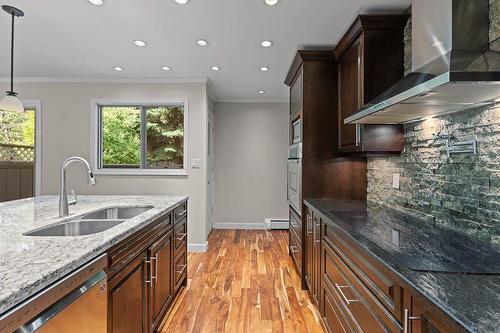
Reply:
x=461, y=192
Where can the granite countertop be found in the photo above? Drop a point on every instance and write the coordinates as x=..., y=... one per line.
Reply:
x=28, y=264
x=431, y=259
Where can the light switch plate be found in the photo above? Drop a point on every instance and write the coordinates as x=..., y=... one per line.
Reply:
x=395, y=181
x=195, y=163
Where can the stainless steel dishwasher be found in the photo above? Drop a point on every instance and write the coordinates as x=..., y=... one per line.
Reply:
x=77, y=303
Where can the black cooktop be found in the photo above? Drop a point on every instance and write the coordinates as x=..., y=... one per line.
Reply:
x=421, y=245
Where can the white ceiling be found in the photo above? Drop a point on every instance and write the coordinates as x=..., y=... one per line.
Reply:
x=73, y=39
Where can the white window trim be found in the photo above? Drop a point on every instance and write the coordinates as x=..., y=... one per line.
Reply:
x=37, y=105
x=94, y=136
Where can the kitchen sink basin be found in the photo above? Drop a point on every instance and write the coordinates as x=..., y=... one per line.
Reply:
x=76, y=228
x=116, y=213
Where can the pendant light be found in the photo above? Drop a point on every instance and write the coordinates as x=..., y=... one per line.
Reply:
x=11, y=102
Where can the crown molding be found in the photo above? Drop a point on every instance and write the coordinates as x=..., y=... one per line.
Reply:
x=101, y=80
x=251, y=100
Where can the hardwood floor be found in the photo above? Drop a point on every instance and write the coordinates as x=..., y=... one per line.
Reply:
x=244, y=283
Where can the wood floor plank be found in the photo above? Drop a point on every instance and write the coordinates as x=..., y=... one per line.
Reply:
x=246, y=282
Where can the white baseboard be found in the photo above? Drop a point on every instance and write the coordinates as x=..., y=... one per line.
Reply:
x=257, y=226
x=198, y=247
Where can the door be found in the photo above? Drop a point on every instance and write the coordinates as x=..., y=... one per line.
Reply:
x=160, y=256
x=127, y=299
x=349, y=95
x=211, y=171
x=294, y=184
x=20, y=153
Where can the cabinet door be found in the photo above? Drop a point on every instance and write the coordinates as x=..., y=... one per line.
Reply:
x=316, y=257
x=309, y=273
x=160, y=256
x=296, y=97
x=350, y=87
x=421, y=317
x=127, y=299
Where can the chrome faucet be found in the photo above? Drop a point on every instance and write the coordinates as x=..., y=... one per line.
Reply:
x=63, y=196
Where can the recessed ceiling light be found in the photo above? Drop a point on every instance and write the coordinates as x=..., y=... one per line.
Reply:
x=215, y=68
x=266, y=43
x=264, y=69
x=140, y=43
x=261, y=92
x=201, y=42
x=271, y=2
x=182, y=2
x=166, y=68
x=96, y=2
x=118, y=68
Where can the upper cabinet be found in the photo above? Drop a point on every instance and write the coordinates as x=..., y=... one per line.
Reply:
x=370, y=59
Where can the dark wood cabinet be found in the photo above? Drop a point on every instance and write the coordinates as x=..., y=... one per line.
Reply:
x=127, y=298
x=370, y=59
x=145, y=273
x=358, y=293
x=312, y=251
x=422, y=317
x=312, y=79
x=160, y=286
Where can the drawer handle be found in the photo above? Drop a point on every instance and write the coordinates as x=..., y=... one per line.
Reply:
x=182, y=269
x=348, y=301
x=181, y=214
x=181, y=238
x=406, y=321
x=294, y=249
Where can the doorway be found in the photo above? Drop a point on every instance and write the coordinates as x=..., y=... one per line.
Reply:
x=210, y=171
x=20, y=152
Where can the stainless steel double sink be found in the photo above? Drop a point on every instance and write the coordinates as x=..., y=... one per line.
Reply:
x=91, y=223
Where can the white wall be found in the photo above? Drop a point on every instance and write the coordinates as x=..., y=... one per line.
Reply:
x=251, y=142
x=66, y=132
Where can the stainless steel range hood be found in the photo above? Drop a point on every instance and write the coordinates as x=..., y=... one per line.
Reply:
x=453, y=66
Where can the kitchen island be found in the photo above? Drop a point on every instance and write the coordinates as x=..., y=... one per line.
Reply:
x=29, y=264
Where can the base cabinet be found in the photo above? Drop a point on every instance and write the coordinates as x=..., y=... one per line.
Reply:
x=355, y=292
x=146, y=271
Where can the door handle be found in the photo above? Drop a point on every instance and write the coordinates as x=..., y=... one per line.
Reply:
x=407, y=319
x=155, y=258
x=150, y=280
x=358, y=135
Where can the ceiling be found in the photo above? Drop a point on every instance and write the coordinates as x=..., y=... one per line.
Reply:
x=73, y=39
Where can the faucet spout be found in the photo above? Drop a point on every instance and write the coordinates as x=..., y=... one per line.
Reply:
x=63, y=196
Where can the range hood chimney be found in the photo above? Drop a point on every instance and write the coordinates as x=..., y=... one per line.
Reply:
x=453, y=68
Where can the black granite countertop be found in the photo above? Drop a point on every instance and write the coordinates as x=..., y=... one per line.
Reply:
x=441, y=264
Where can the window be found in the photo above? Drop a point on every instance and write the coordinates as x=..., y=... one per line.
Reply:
x=141, y=138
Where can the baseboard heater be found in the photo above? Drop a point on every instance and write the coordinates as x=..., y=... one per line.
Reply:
x=277, y=223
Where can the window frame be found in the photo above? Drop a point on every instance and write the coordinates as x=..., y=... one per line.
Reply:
x=96, y=142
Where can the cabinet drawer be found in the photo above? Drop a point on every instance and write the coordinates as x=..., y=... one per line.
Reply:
x=374, y=276
x=180, y=236
x=296, y=252
x=360, y=304
x=132, y=246
x=295, y=224
x=180, y=269
x=334, y=317
x=180, y=212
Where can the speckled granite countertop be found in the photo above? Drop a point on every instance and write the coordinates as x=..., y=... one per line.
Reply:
x=473, y=300
x=29, y=264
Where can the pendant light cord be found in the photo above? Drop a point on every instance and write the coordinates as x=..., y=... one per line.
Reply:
x=12, y=57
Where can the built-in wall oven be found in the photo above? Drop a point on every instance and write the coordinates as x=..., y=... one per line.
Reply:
x=295, y=177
